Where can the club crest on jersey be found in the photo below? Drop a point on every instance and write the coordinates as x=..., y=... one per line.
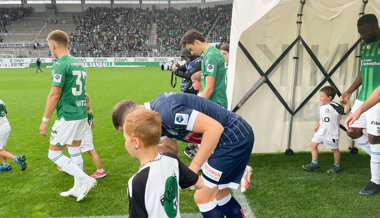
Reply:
x=327, y=110
x=210, y=68
x=57, y=78
x=181, y=119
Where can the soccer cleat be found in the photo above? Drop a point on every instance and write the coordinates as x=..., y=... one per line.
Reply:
x=60, y=169
x=72, y=192
x=311, y=167
x=85, y=185
x=21, y=161
x=5, y=167
x=245, y=181
x=97, y=174
x=191, y=150
x=370, y=189
x=335, y=169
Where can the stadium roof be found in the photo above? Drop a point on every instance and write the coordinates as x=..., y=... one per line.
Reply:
x=12, y=2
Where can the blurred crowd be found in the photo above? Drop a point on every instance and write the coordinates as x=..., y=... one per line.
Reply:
x=8, y=15
x=104, y=32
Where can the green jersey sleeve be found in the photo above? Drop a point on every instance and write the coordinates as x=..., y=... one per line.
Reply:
x=211, y=65
x=58, y=74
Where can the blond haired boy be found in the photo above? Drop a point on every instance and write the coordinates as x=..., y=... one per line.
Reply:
x=154, y=190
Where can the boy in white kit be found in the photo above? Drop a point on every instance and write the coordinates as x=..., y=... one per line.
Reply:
x=327, y=129
x=5, y=130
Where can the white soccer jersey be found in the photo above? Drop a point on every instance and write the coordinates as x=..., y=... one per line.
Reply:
x=3, y=113
x=329, y=120
x=154, y=190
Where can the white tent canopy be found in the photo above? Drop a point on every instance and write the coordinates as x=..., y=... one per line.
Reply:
x=261, y=31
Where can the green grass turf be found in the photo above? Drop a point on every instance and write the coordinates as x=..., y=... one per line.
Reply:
x=280, y=188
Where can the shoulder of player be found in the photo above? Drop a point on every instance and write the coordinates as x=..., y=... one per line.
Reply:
x=140, y=178
x=169, y=155
x=2, y=102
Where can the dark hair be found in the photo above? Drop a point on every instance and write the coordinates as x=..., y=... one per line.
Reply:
x=121, y=110
x=367, y=19
x=225, y=47
x=329, y=91
x=190, y=36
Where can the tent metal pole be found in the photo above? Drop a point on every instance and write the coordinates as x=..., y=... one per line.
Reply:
x=299, y=24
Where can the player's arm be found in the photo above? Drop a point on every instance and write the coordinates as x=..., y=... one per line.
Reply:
x=347, y=107
x=209, y=88
x=51, y=104
x=211, y=131
x=373, y=99
x=168, y=145
x=355, y=85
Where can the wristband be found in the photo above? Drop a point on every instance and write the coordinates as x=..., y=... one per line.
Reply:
x=44, y=119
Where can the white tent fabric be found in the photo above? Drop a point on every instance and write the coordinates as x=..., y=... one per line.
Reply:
x=266, y=28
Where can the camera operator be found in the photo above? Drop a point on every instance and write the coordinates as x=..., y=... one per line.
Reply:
x=192, y=65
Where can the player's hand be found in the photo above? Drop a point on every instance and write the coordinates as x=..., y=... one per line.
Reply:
x=351, y=119
x=345, y=97
x=43, y=128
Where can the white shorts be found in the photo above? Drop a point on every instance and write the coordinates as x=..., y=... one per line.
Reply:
x=65, y=132
x=5, y=130
x=327, y=142
x=87, y=142
x=362, y=121
x=373, y=120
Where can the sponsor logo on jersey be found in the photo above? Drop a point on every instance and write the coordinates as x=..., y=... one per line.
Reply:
x=181, y=119
x=210, y=68
x=170, y=198
x=211, y=172
x=2, y=114
x=375, y=123
x=57, y=78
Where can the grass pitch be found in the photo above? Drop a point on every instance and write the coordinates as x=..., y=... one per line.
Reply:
x=279, y=186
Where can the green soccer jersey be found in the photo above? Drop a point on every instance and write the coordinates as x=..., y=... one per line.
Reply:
x=69, y=74
x=213, y=64
x=370, y=68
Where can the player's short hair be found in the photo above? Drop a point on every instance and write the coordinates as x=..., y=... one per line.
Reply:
x=196, y=76
x=145, y=125
x=225, y=47
x=329, y=91
x=367, y=19
x=60, y=37
x=121, y=110
x=190, y=36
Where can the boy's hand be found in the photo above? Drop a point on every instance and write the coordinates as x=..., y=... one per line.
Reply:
x=43, y=128
x=316, y=127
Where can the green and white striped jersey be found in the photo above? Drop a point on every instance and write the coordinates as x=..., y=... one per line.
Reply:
x=370, y=68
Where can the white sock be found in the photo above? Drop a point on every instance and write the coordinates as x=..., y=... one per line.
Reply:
x=100, y=170
x=65, y=163
x=375, y=163
x=76, y=157
x=364, y=143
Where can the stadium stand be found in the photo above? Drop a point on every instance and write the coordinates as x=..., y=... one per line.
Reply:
x=117, y=32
